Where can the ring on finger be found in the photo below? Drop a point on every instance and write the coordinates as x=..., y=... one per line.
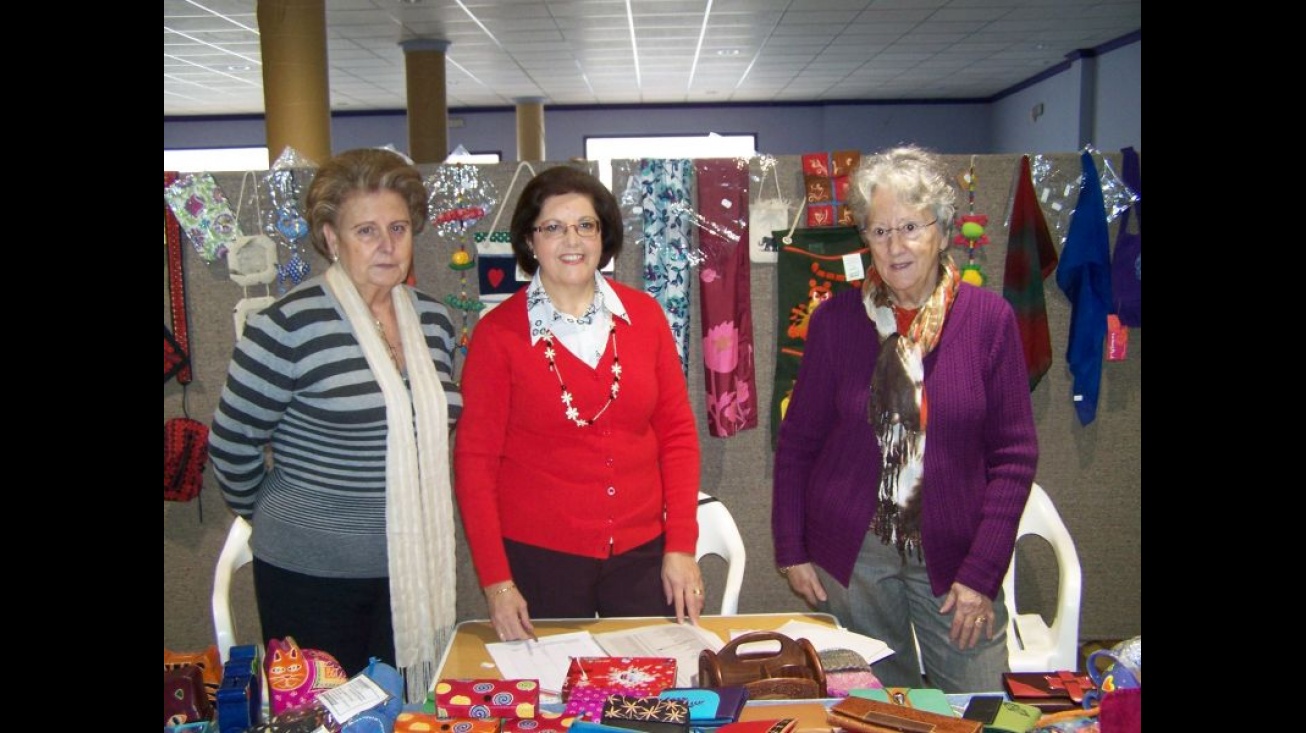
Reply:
x=697, y=591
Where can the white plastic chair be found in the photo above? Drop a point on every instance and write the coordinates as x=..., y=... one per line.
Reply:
x=235, y=554
x=719, y=535
x=1033, y=645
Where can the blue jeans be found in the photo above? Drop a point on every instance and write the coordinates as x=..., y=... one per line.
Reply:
x=886, y=597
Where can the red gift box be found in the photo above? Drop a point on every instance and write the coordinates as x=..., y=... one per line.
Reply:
x=591, y=679
x=486, y=698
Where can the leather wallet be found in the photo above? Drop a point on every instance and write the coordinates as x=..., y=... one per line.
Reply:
x=1048, y=691
x=710, y=708
x=871, y=716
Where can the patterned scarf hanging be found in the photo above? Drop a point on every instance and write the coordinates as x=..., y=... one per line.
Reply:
x=1031, y=257
x=664, y=187
x=898, y=410
x=725, y=296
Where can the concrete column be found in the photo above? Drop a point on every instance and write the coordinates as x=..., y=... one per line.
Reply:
x=530, y=128
x=428, y=104
x=296, y=97
x=1087, y=60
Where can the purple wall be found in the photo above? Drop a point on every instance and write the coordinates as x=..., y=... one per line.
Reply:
x=1001, y=125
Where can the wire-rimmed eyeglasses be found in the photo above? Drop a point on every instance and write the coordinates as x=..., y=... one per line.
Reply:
x=586, y=228
x=910, y=231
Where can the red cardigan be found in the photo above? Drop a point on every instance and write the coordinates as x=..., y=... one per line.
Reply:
x=523, y=471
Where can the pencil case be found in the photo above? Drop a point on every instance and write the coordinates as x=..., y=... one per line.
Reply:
x=486, y=698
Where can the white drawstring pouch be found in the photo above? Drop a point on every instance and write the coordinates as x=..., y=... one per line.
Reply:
x=765, y=216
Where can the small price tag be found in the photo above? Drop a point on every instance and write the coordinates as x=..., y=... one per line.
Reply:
x=1117, y=339
x=852, y=267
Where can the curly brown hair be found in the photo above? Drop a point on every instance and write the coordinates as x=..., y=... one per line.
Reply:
x=363, y=170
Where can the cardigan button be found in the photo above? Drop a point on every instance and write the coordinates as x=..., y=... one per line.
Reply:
x=612, y=491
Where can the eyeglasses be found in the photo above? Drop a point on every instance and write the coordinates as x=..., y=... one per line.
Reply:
x=910, y=231
x=586, y=228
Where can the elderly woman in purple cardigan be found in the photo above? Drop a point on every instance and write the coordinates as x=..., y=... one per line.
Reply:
x=872, y=522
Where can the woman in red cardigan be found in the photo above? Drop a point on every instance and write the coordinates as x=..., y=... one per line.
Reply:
x=576, y=460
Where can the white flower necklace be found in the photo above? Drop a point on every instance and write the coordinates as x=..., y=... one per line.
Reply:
x=573, y=414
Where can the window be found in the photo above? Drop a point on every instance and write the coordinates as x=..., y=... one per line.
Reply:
x=216, y=159
x=606, y=149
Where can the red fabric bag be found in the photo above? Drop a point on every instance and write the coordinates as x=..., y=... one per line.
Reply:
x=185, y=451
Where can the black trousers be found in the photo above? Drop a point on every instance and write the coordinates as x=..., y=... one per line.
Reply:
x=348, y=618
x=562, y=585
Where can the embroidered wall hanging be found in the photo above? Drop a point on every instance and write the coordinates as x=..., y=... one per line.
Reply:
x=497, y=273
x=814, y=264
x=825, y=185
x=725, y=296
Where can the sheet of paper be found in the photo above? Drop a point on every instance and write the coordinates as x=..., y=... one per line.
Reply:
x=683, y=642
x=824, y=637
x=545, y=660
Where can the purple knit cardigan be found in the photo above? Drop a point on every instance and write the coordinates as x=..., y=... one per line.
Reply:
x=981, y=447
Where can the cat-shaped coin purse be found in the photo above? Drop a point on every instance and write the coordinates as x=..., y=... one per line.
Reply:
x=295, y=676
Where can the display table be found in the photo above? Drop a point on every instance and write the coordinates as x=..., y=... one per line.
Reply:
x=467, y=658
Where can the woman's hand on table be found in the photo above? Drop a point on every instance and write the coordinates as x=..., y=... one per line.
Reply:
x=973, y=615
x=682, y=581
x=508, y=613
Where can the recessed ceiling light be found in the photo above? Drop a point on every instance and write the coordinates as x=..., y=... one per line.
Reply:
x=727, y=52
x=238, y=67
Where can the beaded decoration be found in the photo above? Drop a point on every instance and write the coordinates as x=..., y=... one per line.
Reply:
x=573, y=413
x=458, y=199
x=971, y=230
x=284, y=223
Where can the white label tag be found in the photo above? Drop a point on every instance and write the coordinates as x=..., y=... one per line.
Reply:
x=352, y=698
x=852, y=267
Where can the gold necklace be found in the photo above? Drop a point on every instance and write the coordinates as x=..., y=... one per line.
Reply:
x=380, y=331
x=573, y=414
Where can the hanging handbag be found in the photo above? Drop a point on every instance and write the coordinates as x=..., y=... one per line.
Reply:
x=497, y=273
x=1127, y=260
x=765, y=216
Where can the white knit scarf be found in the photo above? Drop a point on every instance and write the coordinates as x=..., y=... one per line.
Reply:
x=419, y=503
